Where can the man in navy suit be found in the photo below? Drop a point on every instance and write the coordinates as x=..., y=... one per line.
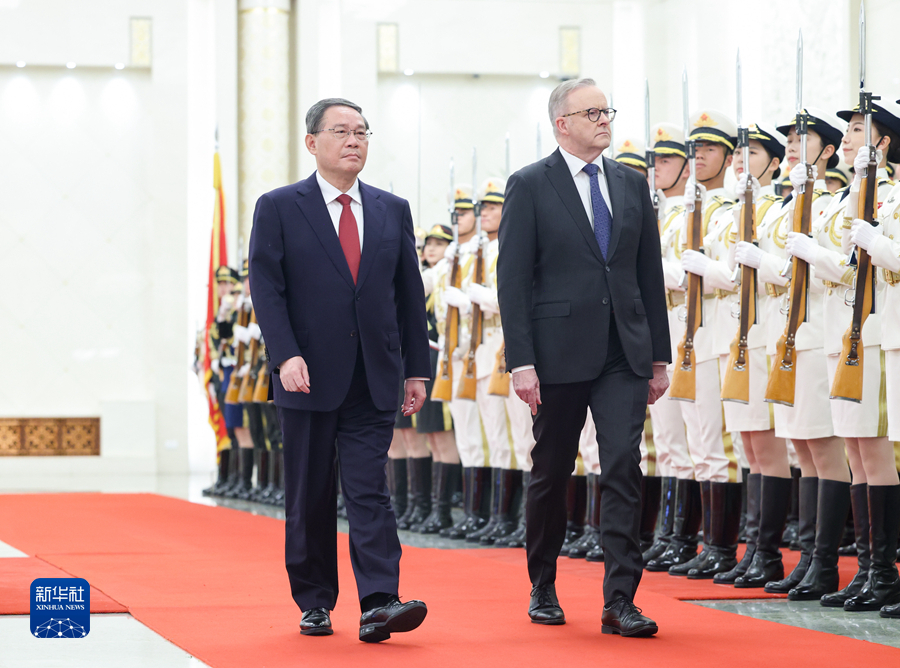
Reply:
x=340, y=302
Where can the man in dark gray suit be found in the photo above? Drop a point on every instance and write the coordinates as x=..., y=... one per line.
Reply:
x=582, y=301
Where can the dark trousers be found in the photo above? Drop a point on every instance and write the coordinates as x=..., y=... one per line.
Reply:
x=358, y=435
x=618, y=403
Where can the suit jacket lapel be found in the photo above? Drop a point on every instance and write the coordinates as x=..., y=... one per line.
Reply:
x=561, y=178
x=374, y=212
x=616, y=183
x=312, y=206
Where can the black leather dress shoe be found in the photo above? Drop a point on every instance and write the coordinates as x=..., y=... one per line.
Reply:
x=624, y=618
x=316, y=622
x=544, y=607
x=379, y=623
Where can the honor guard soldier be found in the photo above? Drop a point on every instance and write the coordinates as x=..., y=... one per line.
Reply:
x=717, y=470
x=673, y=460
x=631, y=152
x=858, y=410
x=839, y=177
x=808, y=422
x=882, y=243
x=466, y=420
x=496, y=407
x=434, y=421
x=769, y=475
x=710, y=446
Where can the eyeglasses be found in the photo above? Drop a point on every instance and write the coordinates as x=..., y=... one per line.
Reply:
x=593, y=114
x=361, y=135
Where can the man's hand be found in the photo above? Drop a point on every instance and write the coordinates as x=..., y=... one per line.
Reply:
x=659, y=384
x=294, y=375
x=528, y=387
x=414, y=396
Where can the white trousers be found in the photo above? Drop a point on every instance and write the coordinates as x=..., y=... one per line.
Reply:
x=466, y=425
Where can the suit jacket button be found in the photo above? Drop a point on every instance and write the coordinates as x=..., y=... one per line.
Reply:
x=605, y=301
x=607, y=270
x=353, y=333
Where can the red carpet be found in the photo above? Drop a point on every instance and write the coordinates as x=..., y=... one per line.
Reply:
x=212, y=580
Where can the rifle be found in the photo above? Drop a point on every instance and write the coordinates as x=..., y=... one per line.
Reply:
x=736, y=385
x=261, y=391
x=783, y=377
x=848, y=381
x=499, y=383
x=442, y=390
x=469, y=381
x=650, y=154
x=234, y=383
x=684, y=378
x=248, y=382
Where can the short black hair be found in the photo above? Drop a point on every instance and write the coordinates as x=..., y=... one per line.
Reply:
x=317, y=112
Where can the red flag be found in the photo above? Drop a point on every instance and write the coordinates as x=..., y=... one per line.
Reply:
x=218, y=256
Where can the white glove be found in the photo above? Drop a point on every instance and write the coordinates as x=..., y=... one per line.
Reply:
x=450, y=250
x=863, y=234
x=748, y=254
x=798, y=175
x=456, y=297
x=662, y=201
x=802, y=246
x=242, y=334
x=484, y=297
x=247, y=303
x=694, y=262
x=861, y=164
x=741, y=188
x=689, y=193
x=244, y=370
x=214, y=366
x=255, y=331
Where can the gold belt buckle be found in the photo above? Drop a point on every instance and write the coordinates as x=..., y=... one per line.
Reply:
x=891, y=277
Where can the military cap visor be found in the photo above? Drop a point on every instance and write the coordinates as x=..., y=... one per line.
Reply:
x=836, y=174
x=226, y=274
x=714, y=136
x=826, y=129
x=632, y=160
x=441, y=232
x=775, y=146
x=887, y=114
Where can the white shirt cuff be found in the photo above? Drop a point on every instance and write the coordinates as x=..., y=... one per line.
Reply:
x=523, y=368
x=422, y=379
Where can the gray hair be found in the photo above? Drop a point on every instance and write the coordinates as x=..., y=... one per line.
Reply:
x=317, y=112
x=560, y=95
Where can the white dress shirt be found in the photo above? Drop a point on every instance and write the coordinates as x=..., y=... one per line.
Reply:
x=330, y=195
x=583, y=182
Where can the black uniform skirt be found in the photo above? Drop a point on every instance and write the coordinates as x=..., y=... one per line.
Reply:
x=435, y=415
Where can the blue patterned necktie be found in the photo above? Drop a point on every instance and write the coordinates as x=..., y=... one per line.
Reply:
x=602, y=217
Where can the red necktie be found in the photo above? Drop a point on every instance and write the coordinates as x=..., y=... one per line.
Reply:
x=348, y=234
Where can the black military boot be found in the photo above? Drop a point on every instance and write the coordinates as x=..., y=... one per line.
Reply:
x=724, y=526
x=688, y=518
x=766, y=564
x=234, y=470
x=398, y=485
x=751, y=531
x=271, y=476
x=822, y=576
x=442, y=485
x=419, y=491
x=456, y=494
x=806, y=537
x=510, y=484
x=496, y=479
x=590, y=539
x=706, y=509
x=882, y=588
x=667, y=520
x=475, y=486
x=245, y=476
x=221, y=476
x=517, y=537
x=859, y=505
x=790, y=538
x=651, y=490
x=576, y=509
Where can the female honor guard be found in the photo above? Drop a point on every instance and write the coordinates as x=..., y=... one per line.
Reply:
x=769, y=481
x=881, y=588
x=673, y=461
x=825, y=485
